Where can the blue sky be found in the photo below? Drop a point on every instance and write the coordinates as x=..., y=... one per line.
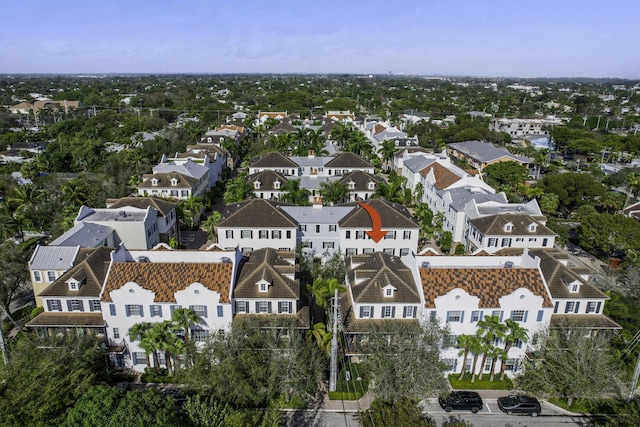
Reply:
x=538, y=38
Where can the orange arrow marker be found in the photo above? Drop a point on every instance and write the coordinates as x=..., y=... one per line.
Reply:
x=376, y=232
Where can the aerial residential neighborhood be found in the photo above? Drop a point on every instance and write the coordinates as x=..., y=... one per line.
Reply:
x=319, y=215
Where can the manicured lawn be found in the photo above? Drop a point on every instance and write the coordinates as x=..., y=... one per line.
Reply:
x=587, y=406
x=351, y=389
x=483, y=384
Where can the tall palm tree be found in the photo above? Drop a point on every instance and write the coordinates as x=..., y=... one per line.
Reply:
x=191, y=209
x=334, y=191
x=476, y=348
x=74, y=193
x=210, y=224
x=513, y=332
x=464, y=342
x=237, y=190
x=283, y=142
x=162, y=333
x=494, y=353
x=319, y=291
x=386, y=151
x=390, y=191
x=490, y=330
x=182, y=318
x=341, y=133
x=293, y=193
x=8, y=227
x=25, y=196
x=359, y=144
x=139, y=332
x=322, y=337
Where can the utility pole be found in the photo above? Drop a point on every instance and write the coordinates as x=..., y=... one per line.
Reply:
x=3, y=348
x=333, y=365
x=634, y=383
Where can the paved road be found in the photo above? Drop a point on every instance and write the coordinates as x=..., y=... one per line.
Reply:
x=481, y=419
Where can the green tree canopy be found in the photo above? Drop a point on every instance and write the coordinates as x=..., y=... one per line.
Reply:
x=505, y=173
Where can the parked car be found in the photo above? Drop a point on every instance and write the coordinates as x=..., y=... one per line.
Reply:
x=469, y=400
x=519, y=404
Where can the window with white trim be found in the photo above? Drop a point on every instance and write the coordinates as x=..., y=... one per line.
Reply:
x=276, y=234
x=264, y=286
x=262, y=307
x=365, y=311
x=387, y=311
x=229, y=234
x=75, y=305
x=332, y=227
x=94, y=305
x=517, y=315
x=454, y=316
x=388, y=292
x=263, y=234
x=133, y=309
x=569, y=307
x=199, y=335
x=138, y=358
x=116, y=333
x=199, y=310
x=327, y=245
x=37, y=277
x=591, y=307
x=246, y=234
x=283, y=307
x=409, y=311
x=406, y=235
x=51, y=276
x=476, y=316
x=241, y=306
x=390, y=235
x=351, y=251
x=359, y=234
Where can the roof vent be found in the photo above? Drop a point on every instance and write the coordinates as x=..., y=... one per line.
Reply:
x=508, y=264
x=122, y=214
x=426, y=264
x=225, y=260
x=143, y=259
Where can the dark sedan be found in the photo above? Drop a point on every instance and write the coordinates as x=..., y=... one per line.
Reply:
x=469, y=400
x=519, y=404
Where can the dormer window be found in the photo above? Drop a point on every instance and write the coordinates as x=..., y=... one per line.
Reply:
x=352, y=185
x=508, y=227
x=263, y=286
x=371, y=185
x=174, y=181
x=256, y=184
x=388, y=291
x=74, y=285
x=209, y=139
x=276, y=185
x=573, y=286
x=154, y=181
x=532, y=227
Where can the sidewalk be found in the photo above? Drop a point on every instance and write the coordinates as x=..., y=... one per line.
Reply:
x=346, y=405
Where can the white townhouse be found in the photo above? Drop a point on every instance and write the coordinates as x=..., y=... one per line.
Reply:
x=379, y=286
x=72, y=301
x=361, y=185
x=147, y=286
x=257, y=224
x=167, y=216
x=507, y=230
x=318, y=229
x=172, y=185
x=311, y=165
x=459, y=291
x=136, y=228
x=210, y=156
x=47, y=263
x=401, y=230
x=402, y=156
x=269, y=284
x=276, y=162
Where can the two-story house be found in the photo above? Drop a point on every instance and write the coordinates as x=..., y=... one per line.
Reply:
x=268, y=283
x=482, y=154
x=72, y=301
x=171, y=185
x=361, y=185
x=267, y=184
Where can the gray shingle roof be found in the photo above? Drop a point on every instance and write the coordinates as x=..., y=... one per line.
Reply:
x=161, y=205
x=485, y=152
x=254, y=213
x=348, y=160
x=392, y=215
x=267, y=179
x=494, y=225
x=372, y=272
x=273, y=160
x=269, y=265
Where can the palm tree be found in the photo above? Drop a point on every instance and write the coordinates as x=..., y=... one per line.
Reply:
x=494, y=353
x=182, y=318
x=476, y=348
x=24, y=197
x=359, y=144
x=191, y=209
x=210, y=224
x=513, y=332
x=283, y=142
x=8, y=227
x=490, y=330
x=390, y=191
x=386, y=151
x=341, y=133
x=633, y=181
x=163, y=335
x=74, y=193
x=334, y=191
x=322, y=337
x=139, y=332
x=319, y=291
x=463, y=344
x=237, y=190
x=293, y=193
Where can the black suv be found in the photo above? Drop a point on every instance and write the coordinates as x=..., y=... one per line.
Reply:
x=519, y=404
x=469, y=400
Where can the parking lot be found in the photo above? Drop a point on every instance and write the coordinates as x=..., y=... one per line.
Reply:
x=431, y=406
